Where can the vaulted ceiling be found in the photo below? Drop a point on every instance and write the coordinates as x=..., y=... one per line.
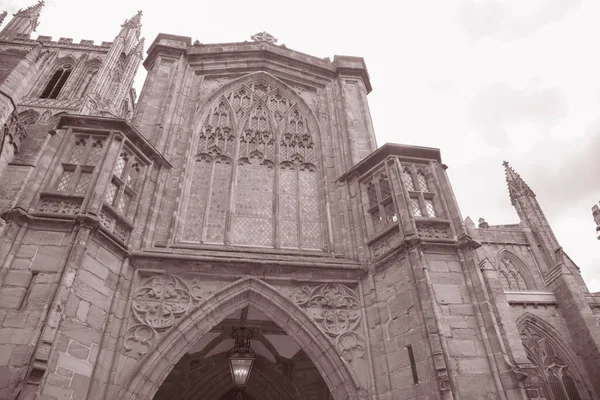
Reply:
x=281, y=371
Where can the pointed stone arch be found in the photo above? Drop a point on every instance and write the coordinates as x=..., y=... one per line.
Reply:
x=145, y=380
x=87, y=77
x=529, y=323
x=55, y=77
x=520, y=267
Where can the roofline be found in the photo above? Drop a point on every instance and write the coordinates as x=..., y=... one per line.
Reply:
x=392, y=149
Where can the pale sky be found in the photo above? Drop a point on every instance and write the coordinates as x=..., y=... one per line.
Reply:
x=484, y=81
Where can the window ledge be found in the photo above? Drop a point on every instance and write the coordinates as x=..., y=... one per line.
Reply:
x=530, y=297
x=380, y=234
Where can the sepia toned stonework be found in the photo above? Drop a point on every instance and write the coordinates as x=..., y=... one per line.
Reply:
x=244, y=187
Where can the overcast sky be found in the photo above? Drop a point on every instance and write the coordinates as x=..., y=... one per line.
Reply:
x=484, y=81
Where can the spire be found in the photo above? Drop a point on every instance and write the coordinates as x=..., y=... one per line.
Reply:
x=32, y=12
x=133, y=22
x=516, y=185
x=139, y=47
x=24, y=21
x=2, y=16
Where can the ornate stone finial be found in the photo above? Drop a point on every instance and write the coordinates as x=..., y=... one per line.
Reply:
x=134, y=21
x=31, y=9
x=482, y=223
x=2, y=16
x=516, y=185
x=139, y=47
x=264, y=37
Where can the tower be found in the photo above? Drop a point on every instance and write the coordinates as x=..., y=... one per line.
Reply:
x=109, y=94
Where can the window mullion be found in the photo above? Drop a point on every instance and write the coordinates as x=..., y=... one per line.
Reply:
x=75, y=180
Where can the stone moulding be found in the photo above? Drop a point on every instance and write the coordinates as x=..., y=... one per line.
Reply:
x=336, y=310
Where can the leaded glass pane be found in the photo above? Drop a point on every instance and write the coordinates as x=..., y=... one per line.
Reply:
x=415, y=208
x=110, y=193
x=121, y=162
x=430, y=208
x=124, y=202
x=371, y=194
x=253, y=221
x=407, y=178
x=196, y=205
x=65, y=180
x=422, y=182
x=309, y=208
x=78, y=150
x=96, y=152
x=84, y=182
x=217, y=209
x=288, y=206
x=384, y=187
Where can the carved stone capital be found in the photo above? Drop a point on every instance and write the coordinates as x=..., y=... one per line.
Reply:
x=87, y=221
x=467, y=242
x=412, y=241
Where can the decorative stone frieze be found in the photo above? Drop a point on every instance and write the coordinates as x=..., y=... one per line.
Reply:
x=433, y=230
x=59, y=205
x=336, y=310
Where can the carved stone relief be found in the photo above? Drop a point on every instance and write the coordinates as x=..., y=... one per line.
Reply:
x=158, y=302
x=385, y=243
x=336, y=310
x=433, y=231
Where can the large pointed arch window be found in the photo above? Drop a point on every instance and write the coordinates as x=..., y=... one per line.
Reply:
x=254, y=179
x=510, y=276
x=555, y=377
x=57, y=82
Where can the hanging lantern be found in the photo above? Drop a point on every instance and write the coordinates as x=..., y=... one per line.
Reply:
x=241, y=356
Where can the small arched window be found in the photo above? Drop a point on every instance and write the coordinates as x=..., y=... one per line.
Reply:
x=56, y=83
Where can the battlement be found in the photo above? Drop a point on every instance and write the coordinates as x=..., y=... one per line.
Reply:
x=62, y=42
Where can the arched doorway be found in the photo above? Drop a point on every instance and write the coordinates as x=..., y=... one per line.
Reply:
x=192, y=335
x=281, y=371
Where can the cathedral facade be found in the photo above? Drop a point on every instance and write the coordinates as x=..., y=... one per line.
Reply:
x=244, y=189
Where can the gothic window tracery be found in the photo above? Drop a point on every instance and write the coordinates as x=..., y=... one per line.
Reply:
x=420, y=194
x=57, y=82
x=554, y=373
x=123, y=189
x=78, y=165
x=274, y=174
x=510, y=276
